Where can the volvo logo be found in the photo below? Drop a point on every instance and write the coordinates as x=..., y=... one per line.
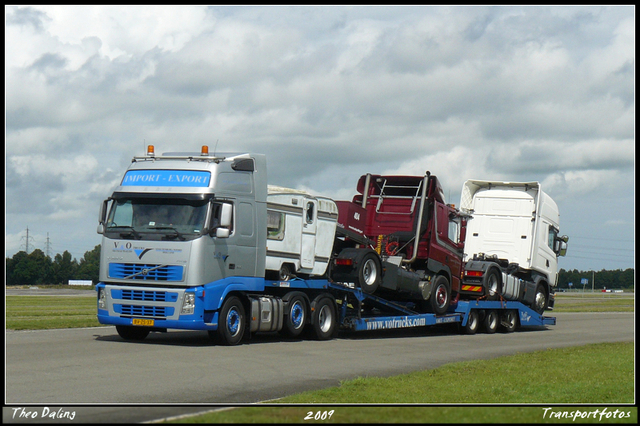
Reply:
x=145, y=271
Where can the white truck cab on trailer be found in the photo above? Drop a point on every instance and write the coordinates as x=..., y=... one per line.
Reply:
x=518, y=224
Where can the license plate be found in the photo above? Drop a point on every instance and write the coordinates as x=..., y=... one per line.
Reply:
x=140, y=321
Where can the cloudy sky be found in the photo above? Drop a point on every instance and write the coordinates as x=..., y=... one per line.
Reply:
x=328, y=93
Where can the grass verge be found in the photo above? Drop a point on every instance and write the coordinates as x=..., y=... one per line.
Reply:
x=419, y=415
x=46, y=312
x=594, y=302
x=594, y=374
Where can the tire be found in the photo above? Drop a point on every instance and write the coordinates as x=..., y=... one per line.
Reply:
x=540, y=299
x=324, y=319
x=232, y=322
x=440, y=295
x=509, y=321
x=131, y=332
x=369, y=273
x=295, y=317
x=285, y=273
x=491, y=321
x=473, y=323
x=493, y=285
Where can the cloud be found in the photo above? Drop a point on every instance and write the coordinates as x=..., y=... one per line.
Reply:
x=328, y=93
x=547, y=156
x=578, y=184
x=58, y=189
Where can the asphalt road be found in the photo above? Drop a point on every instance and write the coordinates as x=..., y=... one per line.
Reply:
x=68, y=368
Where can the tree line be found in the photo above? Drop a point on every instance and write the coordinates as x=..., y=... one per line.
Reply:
x=36, y=268
x=611, y=279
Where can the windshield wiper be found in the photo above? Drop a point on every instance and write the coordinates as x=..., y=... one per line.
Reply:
x=133, y=232
x=171, y=228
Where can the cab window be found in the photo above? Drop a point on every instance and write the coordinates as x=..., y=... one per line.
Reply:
x=275, y=225
x=553, y=234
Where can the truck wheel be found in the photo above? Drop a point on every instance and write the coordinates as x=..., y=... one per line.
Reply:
x=509, y=321
x=285, y=273
x=369, y=273
x=131, y=332
x=473, y=323
x=540, y=300
x=231, y=323
x=440, y=295
x=491, y=321
x=324, y=319
x=493, y=285
x=295, y=317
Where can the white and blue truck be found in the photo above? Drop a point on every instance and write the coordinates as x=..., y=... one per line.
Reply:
x=194, y=241
x=512, y=241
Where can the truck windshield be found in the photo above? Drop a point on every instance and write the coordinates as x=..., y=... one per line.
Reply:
x=156, y=218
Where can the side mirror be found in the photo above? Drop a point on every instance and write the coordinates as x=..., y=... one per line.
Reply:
x=563, y=245
x=102, y=216
x=223, y=233
x=225, y=215
x=222, y=226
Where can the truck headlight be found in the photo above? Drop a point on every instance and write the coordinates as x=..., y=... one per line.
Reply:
x=102, y=298
x=188, y=304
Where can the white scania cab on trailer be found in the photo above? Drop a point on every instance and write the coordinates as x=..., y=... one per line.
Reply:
x=512, y=241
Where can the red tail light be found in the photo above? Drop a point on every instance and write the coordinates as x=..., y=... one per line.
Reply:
x=344, y=262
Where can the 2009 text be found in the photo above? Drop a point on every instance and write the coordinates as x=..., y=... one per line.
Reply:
x=319, y=415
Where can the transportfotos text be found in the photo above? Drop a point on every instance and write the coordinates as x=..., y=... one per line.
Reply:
x=597, y=414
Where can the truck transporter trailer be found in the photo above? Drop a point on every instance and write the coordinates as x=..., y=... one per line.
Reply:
x=195, y=241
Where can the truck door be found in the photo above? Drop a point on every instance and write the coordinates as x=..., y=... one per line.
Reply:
x=545, y=258
x=449, y=249
x=309, y=228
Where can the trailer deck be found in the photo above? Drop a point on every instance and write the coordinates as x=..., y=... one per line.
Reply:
x=359, y=311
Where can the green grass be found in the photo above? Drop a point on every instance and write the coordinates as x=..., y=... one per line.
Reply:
x=46, y=312
x=595, y=374
x=594, y=302
x=418, y=415
x=88, y=288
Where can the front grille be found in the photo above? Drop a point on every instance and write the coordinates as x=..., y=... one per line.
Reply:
x=144, y=272
x=145, y=295
x=144, y=311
